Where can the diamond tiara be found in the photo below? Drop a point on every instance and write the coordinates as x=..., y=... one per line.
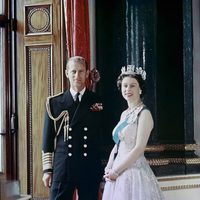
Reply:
x=131, y=69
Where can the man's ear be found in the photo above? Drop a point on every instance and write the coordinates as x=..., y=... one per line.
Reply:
x=66, y=73
x=87, y=73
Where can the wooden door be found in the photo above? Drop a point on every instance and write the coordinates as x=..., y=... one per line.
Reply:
x=39, y=74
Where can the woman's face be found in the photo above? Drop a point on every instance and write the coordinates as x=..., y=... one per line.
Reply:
x=130, y=89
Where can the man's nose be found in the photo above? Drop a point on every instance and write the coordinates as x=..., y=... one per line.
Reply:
x=76, y=74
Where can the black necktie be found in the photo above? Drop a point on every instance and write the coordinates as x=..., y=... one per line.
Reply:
x=77, y=98
x=74, y=107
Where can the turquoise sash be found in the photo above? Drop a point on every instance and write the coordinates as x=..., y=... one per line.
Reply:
x=118, y=129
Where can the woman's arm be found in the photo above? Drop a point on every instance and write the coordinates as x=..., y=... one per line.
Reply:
x=111, y=158
x=145, y=125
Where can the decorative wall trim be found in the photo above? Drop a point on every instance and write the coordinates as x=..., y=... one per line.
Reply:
x=179, y=178
x=172, y=147
x=180, y=187
x=183, y=182
x=47, y=48
x=29, y=50
x=167, y=161
x=29, y=122
x=32, y=14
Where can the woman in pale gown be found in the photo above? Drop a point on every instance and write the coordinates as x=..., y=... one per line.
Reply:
x=128, y=175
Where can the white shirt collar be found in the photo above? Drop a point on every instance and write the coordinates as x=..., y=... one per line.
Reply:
x=73, y=93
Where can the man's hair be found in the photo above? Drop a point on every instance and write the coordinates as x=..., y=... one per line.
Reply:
x=78, y=59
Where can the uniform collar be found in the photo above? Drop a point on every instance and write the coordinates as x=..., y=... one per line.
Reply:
x=73, y=93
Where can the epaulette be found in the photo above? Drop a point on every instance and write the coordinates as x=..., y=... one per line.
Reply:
x=48, y=104
x=56, y=95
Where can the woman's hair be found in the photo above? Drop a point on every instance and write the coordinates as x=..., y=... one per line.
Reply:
x=138, y=77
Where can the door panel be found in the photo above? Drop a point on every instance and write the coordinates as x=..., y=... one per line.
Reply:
x=40, y=74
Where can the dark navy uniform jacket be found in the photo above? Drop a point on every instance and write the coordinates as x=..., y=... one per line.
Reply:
x=77, y=158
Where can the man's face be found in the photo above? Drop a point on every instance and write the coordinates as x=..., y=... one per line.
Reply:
x=77, y=74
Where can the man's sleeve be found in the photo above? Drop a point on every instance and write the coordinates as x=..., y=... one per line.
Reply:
x=48, y=142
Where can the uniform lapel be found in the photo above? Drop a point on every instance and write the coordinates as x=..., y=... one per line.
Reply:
x=67, y=100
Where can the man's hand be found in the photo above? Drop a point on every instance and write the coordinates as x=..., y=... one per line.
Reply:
x=47, y=179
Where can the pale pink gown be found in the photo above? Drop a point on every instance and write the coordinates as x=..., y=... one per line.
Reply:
x=138, y=182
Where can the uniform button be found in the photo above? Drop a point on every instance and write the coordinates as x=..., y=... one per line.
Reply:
x=85, y=137
x=85, y=145
x=69, y=145
x=85, y=128
x=85, y=154
x=70, y=129
x=70, y=137
x=70, y=154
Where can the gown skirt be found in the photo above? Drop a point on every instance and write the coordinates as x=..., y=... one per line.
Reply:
x=136, y=183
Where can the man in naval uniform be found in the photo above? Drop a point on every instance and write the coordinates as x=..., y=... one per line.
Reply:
x=72, y=126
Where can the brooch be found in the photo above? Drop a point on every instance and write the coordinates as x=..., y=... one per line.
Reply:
x=96, y=107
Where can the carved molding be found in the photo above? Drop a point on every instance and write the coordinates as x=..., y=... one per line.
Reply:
x=172, y=147
x=176, y=178
x=38, y=20
x=180, y=187
x=167, y=161
x=29, y=114
x=50, y=68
